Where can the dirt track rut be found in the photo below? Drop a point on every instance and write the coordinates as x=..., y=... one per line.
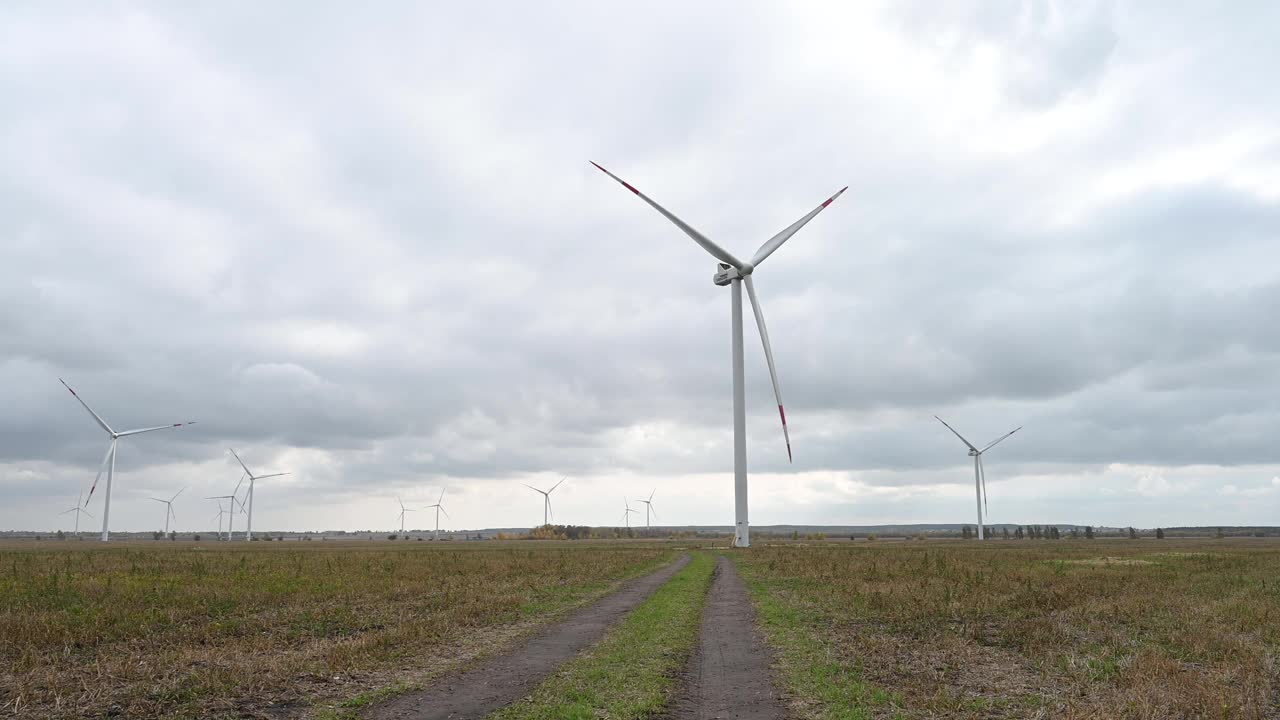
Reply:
x=728, y=675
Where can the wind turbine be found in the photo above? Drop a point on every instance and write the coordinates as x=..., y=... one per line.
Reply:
x=627, y=515
x=546, y=500
x=439, y=508
x=248, y=533
x=231, y=514
x=109, y=460
x=648, y=506
x=77, y=510
x=979, y=475
x=221, y=512
x=168, y=513
x=403, y=510
x=735, y=273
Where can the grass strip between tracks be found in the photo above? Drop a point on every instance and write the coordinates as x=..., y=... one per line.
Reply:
x=633, y=670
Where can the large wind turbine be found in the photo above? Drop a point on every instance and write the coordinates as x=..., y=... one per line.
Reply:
x=248, y=533
x=109, y=460
x=168, y=512
x=648, y=507
x=546, y=500
x=77, y=510
x=735, y=273
x=403, y=510
x=439, y=508
x=979, y=475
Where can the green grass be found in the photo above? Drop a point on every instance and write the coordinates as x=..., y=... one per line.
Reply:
x=632, y=671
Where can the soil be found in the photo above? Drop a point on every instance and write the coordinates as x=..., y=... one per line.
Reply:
x=502, y=680
x=728, y=675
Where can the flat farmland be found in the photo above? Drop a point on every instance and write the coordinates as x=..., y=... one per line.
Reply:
x=1145, y=629
x=160, y=629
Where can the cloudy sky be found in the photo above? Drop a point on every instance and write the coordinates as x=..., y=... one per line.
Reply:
x=367, y=247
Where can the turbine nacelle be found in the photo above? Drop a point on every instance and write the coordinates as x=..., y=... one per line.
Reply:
x=726, y=273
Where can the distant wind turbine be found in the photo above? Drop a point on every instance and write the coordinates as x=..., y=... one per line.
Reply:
x=546, y=500
x=109, y=460
x=221, y=512
x=168, y=512
x=403, y=510
x=735, y=273
x=231, y=513
x=979, y=474
x=648, y=507
x=627, y=515
x=78, y=511
x=248, y=533
x=439, y=508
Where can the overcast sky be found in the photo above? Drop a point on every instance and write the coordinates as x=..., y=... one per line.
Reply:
x=365, y=245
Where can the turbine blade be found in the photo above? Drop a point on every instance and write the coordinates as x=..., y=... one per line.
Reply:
x=446, y=512
x=716, y=251
x=111, y=451
x=441, y=499
x=953, y=430
x=982, y=475
x=175, y=495
x=1002, y=437
x=159, y=500
x=263, y=477
x=64, y=512
x=533, y=488
x=776, y=241
x=173, y=514
x=153, y=429
x=655, y=490
x=101, y=423
x=553, y=487
x=237, y=457
x=768, y=356
x=86, y=512
x=237, y=490
x=652, y=510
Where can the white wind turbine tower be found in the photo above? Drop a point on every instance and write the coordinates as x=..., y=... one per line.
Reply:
x=109, y=460
x=168, y=512
x=439, y=508
x=403, y=510
x=546, y=500
x=648, y=507
x=735, y=273
x=979, y=475
x=78, y=511
x=627, y=515
x=248, y=533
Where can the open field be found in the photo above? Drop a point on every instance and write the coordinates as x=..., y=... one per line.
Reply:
x=1025, y=629
x=236, y=630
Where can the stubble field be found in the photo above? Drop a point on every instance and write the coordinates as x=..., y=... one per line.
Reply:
x=143, y=629
x=1145, y=629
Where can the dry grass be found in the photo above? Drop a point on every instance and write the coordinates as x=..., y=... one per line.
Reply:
x=265, y=630
x=1142, y=630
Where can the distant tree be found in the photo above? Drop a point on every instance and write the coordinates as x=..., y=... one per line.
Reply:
x=1018, y=533
x=966, y=533
x=1159, y=533
x=1133, y=534
x=1005, y=532
x=1220, y=534
x=1088, y=532
x=795, y=534
x=1055, y=534
x=157, y=535
x=1075, y=533
x=62, y=535
x=280, y=538
x=196, y=538
x=392, y=536
x=173, y=534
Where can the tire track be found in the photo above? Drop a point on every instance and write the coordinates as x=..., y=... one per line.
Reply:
x=729, y=675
